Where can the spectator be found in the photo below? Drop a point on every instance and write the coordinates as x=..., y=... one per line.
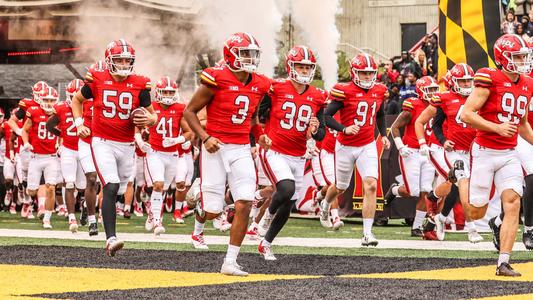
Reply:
x=529, y=27
x=422, y=62
x=408, y=88
x=389, y=74
x=392, y=104
x=509, y=24
x=430, y=48
x=406, y=64
x=521, y=32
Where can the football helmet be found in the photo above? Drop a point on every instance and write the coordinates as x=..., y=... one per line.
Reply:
x=72, y=88
x=38, y=89
x=166, y=91
x=426, y=87
x=465, y=73
x=363, y=63
x=304, y=56
x=242, y=52
x=512, y=54
x=48, y=99
x=119, y=49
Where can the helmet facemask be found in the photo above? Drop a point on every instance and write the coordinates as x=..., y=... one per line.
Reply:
x=365, y=84
x=47, y=104
x=518, y=61
x=301, y=78
x=122, y=70
x=246, y=58
x=167, y=96
x=429, y=91
x=464, y=91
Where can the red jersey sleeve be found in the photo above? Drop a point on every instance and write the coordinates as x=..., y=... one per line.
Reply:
x=408, y=105
x=208, y=78
x=338, y=93
x=483, y=78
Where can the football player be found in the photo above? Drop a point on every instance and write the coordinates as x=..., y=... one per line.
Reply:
x=116, y=91
x=359, y=104
x=498, y=109
x=231, y=94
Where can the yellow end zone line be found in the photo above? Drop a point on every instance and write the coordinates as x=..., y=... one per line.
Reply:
x=466, y=273
x=45, y=279
x=509, y=297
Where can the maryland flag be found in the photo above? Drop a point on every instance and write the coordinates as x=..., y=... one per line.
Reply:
x=467, y=32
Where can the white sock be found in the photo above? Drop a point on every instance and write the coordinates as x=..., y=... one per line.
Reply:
x=41, y=201
x=92, y=219
x=334, y=213
x=498, y=221
x=47, y=215
x=157, y=203
x=198, y=227
x=470, y=226
x=367, y=226
x=395, y=190
x=528, y=228
x=258, y=195
x=503, y=258
x=233, y=252
x=178, y=205
x=419, y=219
x=71, y=217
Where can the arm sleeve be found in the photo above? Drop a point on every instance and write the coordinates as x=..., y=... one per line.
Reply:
x=252, y=140
x=380, y=120
x=145, y=98
x=20, y=114
x=330, y=111
x=264, y=108
x=321, y=131
x=438, y=120
x=87, y=92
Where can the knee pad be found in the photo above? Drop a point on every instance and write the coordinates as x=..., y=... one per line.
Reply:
x=286, y=188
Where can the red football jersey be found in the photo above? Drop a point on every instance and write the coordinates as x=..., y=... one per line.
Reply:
x=87, y=118
x=113, y=102
x=360, y=107
x=329, y=141
x=167, y=126
x=507, y=102
x=66, y=126
x=290, y=115
x=230, y=110
x=42, y=141
x=457, y=131
x=415, y=106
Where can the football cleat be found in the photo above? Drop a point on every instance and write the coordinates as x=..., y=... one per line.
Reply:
x=232, y=268
x=217, y=222
x=168, y=203
x=505, y=269
x=177, y=217
x=30, y=213
x=440, y=228
x=93, y=229
x=113, y=246
x=527, y=238
x=149, y=224
x=8, y=198
x=495, y=233
x=324, y=215
x=127, y=214
x=369, y=240
x=225, y=226
x=416, y=232
x=13, y=208
x=47, y=225
x=84, y=215
x=25, y=210
x=266, y=251
x=73, y=226
x=186, y=212
x=62, y=212
x=137, y=209
x=389, y=196
x=337, y=223
x=120, y=211
x=198, y=242
x=430, y=236
x=252, y=234
x=474, y=237
x=159, y=229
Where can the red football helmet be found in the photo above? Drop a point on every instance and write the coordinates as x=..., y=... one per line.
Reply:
x=38, y=89
x=98, y=66
x=48, y=99
x=508, y=49
x=426, y=87
x=242, y=52
x=72, y=88
x=462, y=73
x=119, y=49
x=363, y=63
x=166, y=91
x=303, y=56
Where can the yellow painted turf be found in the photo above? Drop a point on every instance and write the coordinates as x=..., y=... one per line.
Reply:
x=31, y=280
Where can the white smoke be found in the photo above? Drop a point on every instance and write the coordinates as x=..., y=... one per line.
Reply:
x=260, y=18
x=316, y=20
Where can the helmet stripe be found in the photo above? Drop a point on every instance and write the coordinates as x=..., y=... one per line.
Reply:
x=522, y=42
x=306, y=53
x=124, y=46
x=252, y=41
x=367, y=59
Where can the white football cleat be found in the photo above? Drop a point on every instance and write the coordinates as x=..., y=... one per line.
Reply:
x=225, y=226
x=266, y=251
x=113, y=245
x=149, y=224
x=198, y=242
x=369, y=240
x=159, y=229
x=73, y=226
x=232, y=268
x=47, y=225
x=474, y=236
x=440, y=228
x=324, y=215
x=337, y=223
x=217, y=222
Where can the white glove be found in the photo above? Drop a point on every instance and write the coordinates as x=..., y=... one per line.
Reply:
x=186, y=145
x=169, y=142
x=424, y=150
x=18, y=131
x=27, y=147
x=145, y=147
x=404, y=151
x=312, y=150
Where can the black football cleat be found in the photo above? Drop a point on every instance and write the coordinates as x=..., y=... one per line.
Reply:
x=417, y=232
x=527, y=238
x=93, y=229
x=505, y=269
x=84, y=216
x=495, y=233
x=389, y=196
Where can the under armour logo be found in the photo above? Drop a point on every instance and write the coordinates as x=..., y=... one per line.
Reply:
x=524, y=88
x=254, y=89
x=310, y=99
x=289, y=96
x=374, y=95
x=130, y=85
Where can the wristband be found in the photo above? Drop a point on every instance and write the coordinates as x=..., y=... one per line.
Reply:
x=398, y=142
x=78, y=121
x=257, y=131
x=207, y=138
x=421, y=142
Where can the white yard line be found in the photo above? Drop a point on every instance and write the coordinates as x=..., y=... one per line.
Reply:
x=281, y=241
